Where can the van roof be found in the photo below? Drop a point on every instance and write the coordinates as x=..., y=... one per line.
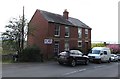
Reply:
x=100, y=48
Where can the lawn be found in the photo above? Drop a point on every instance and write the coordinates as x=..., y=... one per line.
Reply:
x=0, y=50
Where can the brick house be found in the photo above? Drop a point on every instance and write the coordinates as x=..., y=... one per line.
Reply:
x=54, y=33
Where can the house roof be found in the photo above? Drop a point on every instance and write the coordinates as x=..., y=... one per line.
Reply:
x=77, y=22
x=56, y=18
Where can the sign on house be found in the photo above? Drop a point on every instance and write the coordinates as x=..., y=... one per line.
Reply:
x=47, y=41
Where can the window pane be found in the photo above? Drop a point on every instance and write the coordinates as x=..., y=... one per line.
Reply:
x=86, y=33
x=57, y=30
x=79, y=32
x=67, y=31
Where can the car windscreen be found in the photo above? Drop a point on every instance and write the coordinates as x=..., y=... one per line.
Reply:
x=95, y=51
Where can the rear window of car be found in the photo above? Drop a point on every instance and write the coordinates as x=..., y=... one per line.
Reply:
x=75, y=52
x=63, y=53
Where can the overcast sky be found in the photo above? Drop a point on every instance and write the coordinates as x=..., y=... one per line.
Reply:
x=100, y=15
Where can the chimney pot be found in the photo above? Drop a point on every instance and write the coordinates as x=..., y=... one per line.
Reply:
x=65, y=14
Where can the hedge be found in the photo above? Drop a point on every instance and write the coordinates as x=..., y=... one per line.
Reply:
x=31, y=54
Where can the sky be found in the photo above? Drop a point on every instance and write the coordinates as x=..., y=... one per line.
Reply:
x=100, y=15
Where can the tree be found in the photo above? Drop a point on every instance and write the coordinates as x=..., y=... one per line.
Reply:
x=13, y=38
x=98, y=45
x=115, y=48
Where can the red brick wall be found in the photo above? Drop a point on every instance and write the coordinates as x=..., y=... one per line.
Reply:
x=89, y=38
x=62, y=31
x=38, y=27
x=62, y=36
x=73, y=37
x=62, y=45
x=73, y=32
x=51, y=28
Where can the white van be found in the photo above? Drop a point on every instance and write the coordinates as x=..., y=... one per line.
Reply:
x=100, y=54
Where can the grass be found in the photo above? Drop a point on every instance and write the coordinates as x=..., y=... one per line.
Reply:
x=7, y=61
x=0, y=50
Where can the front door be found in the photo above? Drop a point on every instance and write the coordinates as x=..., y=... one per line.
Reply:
x=56, y=48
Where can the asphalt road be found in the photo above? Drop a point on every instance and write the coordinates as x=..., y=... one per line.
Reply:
x=53, y=69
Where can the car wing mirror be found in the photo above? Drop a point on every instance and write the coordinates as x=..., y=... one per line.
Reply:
x=101, y=53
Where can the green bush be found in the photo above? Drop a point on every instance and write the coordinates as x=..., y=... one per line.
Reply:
x=30, y=54
x=98, y=45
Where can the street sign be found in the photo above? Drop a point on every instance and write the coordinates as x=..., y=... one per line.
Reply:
x=47, y=41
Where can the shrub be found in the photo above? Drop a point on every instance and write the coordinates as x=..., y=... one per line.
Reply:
x=98, y=45
x=31, y=54
x=115, y=48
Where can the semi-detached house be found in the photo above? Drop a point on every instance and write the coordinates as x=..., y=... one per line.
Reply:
x=54, y=33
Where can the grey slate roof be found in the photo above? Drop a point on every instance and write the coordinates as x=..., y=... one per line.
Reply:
x=51, y=17
x=77, y=22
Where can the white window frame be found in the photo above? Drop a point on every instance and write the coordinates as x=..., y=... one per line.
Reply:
x=79, y=42
x=79, y=32
x=57, y=30
x=86, y=33
x=67, y=29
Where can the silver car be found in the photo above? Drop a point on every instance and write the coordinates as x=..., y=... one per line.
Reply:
x=118, y=56
x=114, y=57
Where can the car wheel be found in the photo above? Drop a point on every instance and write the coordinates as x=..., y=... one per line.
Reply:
x=73, y=63
x=116, y=60
x=60, y=63
x=86, y=62
x=109, y=60
x=99, y=61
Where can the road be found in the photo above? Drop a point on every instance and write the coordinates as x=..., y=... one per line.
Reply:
x=53, y=69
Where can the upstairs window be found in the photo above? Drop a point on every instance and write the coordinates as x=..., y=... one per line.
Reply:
x=86, y=33
x=79, y=32
x=67, y=32
x=57, y=30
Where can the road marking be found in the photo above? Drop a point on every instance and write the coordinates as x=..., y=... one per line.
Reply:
x=82, y=70
x=99, y=66
x=75, y=71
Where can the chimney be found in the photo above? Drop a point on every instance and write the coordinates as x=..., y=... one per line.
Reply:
x=65, y=14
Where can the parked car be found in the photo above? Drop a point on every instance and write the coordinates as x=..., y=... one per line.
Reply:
x=72, y=58
x=100, y=54
x=118, y=56
x=114, y=57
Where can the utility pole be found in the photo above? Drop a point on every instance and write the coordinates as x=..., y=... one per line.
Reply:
x=22, y=32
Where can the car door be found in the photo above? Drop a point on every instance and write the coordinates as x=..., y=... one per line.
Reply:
x=105, y=56
x=102, y=56
x=80, y=58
